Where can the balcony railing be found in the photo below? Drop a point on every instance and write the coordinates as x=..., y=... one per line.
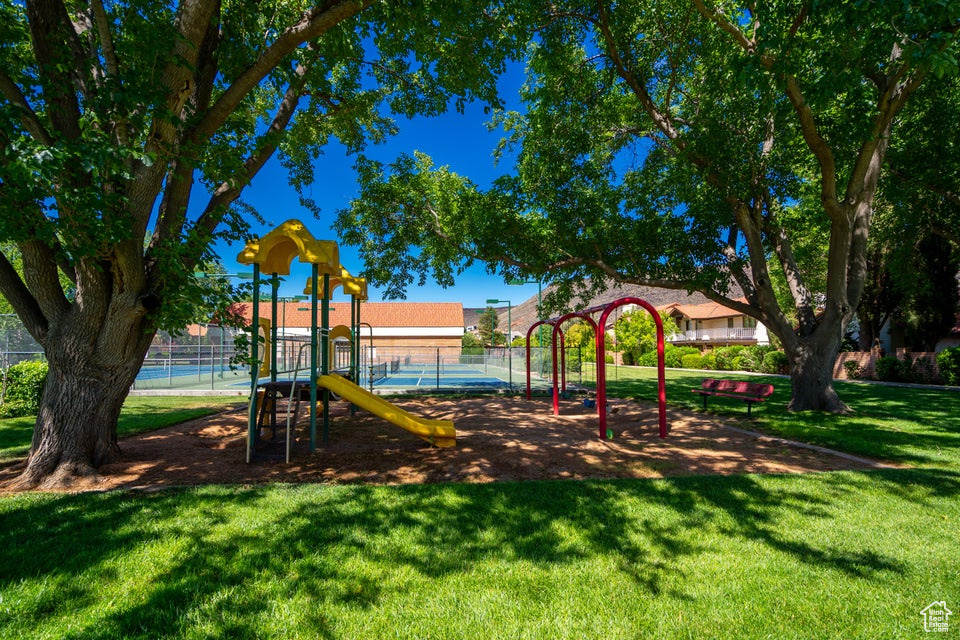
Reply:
x=724, y=334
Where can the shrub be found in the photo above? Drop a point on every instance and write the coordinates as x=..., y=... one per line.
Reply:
x=648, y=359
x=948, y=361
x=628, y=358
x=690, y=361
x=25, y=381
x=890, y=369
x=775, y=362
x=708, y=361
x=14, y=410
x=853, y=369
x=751, y=358
x=725, y=356
x=673, y=355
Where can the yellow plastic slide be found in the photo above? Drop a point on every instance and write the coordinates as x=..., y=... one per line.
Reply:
x=439, y=433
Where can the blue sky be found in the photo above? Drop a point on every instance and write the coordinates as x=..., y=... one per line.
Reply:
x=460, y=141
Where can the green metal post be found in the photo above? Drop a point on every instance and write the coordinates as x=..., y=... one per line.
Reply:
x=358, y=348
x=354, y=337
x=313, y=359
x=274, y=287
x=254, y=365
x=325, y=355
x=510, y=344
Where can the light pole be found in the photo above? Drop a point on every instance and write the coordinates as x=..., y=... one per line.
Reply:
x=509, y=338
x=519, y=282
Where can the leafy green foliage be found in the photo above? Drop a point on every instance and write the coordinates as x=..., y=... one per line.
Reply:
x=636, y=333
x=580, y=336
x=24, y=388
x=853, y=369
x=775, y=362
x=487, y=321
x=892, y=369
x=471, y=344
x=727, y=356
x=914, y=246
x=948, y=362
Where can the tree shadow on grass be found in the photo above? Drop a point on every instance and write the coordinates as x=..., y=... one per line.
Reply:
x=216, y=561
x=913, y=425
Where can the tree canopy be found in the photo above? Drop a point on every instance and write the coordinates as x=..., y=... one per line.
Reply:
x=914, y=249
x=688, y=144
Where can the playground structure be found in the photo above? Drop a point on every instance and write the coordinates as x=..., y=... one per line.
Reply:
x=273, y=254
x=599, y=330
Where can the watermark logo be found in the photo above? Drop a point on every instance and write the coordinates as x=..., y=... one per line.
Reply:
x=936, y=616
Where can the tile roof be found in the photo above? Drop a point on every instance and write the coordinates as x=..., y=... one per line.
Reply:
x=703, y=311
x=377, y=314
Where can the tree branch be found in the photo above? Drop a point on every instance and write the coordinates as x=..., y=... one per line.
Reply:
x=102, y=24
x=660, y=119
x=192, y=22
x=313, y=24
x=229, y=191
x=171, y=216
x=22, y=301
x=50, y=27
x=816, y=143
x=28, y=118
x=783, y=248
x=41, y=277
x=866, y=170
x=720, y=19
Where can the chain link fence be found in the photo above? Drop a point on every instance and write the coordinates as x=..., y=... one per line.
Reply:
x=204, y=358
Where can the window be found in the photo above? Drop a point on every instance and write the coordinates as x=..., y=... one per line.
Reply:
x=749, y=323
x=729, y=323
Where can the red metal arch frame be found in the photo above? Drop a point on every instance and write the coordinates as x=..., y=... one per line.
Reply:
x=530, y=333
x=563, y=357
x=602, y=364
x=553, y=345
x=599, y=330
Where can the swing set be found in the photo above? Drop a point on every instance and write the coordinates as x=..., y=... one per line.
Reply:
x=599, y=329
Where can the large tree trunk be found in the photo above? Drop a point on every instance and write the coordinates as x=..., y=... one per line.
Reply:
x=76, y=428
x=811, y=376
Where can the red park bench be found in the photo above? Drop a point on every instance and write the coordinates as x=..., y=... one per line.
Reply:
x=749, y=392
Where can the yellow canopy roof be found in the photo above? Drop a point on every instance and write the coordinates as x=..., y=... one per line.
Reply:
x=356, y=287
x=275, y=251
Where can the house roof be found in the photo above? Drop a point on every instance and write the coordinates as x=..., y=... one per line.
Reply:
x=705, y=311
x=377, y=314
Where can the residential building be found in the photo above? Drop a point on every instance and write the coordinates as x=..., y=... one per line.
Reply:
x=407, y=328
x=711, y=324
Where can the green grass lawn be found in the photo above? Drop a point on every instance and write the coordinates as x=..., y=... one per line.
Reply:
x=915, y=425
x=837, y=555
x=830, y=555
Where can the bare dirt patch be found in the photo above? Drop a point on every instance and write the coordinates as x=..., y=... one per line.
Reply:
x=498, y=438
